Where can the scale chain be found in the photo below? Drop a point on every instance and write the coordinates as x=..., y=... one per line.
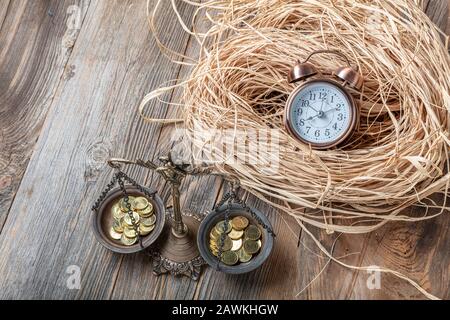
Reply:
x=105, y=193
x=111, y=184
x=128, y=206
x=255, y=216
x=138, y=186
x=228, y=197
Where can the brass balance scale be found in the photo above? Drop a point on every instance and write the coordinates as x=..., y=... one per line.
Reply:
x=180, y=242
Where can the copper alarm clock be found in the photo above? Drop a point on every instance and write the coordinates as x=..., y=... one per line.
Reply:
x=321, y=112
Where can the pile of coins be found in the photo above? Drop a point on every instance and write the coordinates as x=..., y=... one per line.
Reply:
x=240, y=241
x=122, y=229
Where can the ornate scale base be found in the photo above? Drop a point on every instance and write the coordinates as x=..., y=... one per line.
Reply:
x=177, y=255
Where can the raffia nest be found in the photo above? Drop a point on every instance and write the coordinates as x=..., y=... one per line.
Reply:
x=399, y=155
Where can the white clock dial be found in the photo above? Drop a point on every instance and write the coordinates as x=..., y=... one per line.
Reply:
x=320, y=113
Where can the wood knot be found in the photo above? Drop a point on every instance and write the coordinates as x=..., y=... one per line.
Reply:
x=68, y=41
x=69, y=72
x=96, y=159
x=5, y=182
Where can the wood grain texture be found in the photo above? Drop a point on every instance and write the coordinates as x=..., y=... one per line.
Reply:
x=417, y=250
x=438, y=10
x=4, y=5
x=89, y=115
x=33, y=59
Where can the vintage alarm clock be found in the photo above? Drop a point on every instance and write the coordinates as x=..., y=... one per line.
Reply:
x=321, y=112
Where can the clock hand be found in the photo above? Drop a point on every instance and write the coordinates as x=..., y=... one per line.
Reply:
x=321, y=106
x=332, y=109
x=316, y=116
x=320, y=113
x=313, y=109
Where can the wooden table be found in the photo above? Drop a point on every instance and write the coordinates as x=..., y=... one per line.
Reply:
x=68, y=102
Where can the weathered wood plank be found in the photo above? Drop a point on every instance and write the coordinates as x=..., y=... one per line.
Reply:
x=33, y=58
x=322, y=279
x=437, y=10
x=418, y=250
x=4, y=5
x=198, y=195
x=92, y=117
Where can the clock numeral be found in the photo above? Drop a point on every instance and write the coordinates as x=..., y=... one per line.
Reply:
x=302, y=122
x=332, y=99
x=308, y=129
x=305, y=103
x=338, y=107
x=327, y=132
x=323, y=95
x=335, y=127
x=312, y=96
x=317, y=133
x=340, y=117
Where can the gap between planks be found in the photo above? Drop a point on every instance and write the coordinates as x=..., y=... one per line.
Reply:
x=151, y=173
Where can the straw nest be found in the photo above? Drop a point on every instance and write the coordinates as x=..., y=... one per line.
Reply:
x=399, y=154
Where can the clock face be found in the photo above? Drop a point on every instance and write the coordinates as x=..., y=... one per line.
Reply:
x=320, y=113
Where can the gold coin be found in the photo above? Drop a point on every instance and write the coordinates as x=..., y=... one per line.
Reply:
x=127, y=241
x=244, y=256
x=239, y=223
x=117, y=226
x=235, y=234
x=213, y=238
x=115, y=235
x=214, y=251
x=150, y=221
x=223, y=227
x=252, y=233
x=117, y=212
x=145, y=231
x=140, y=203
x=225, y=244
x=230, y=258
x=127, y=219
x=251, y=247
x=213, y=244
x=147, y=212
x=130, y=233
x=237, y=245
x=214, y=234
x=215, y=247
x=123, y=205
